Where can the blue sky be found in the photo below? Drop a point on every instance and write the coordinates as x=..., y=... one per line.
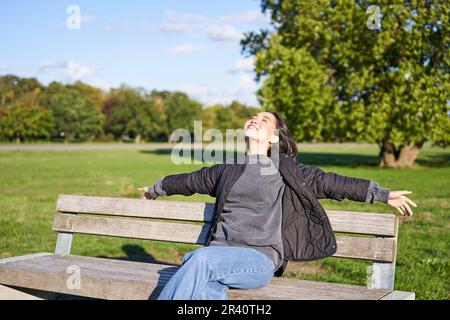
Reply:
x=188, y=45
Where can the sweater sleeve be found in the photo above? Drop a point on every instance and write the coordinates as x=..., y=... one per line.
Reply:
x=156, y=189
x=376, y=193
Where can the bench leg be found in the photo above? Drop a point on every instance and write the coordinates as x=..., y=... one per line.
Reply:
x=383, y=276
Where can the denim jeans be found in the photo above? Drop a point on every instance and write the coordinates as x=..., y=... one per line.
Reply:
x=208, y=272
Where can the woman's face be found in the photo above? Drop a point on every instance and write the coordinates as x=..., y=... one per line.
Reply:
x=261, y=127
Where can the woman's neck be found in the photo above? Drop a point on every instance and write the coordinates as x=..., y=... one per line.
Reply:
x=256, y=147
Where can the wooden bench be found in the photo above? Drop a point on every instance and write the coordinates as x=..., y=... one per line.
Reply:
x=39, y=275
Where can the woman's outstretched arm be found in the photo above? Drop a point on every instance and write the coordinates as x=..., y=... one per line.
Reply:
x=329, y=185
x=201, y=181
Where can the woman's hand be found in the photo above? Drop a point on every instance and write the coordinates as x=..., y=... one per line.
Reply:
x=147, y=195
x=399, y=201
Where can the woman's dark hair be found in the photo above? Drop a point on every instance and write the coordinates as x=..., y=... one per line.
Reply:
x=286, y=142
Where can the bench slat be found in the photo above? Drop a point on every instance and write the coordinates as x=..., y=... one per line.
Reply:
x=349, y=247
x=129, y=228
x=175, y=210
x=365, y=248
x=118, y=279
x=379, y=224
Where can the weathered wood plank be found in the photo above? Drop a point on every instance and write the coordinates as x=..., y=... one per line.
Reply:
x=117, y=279
x=162, y=209
x=365, y=248
x=25, y=257
x=8, y=293
x=342, y=221
x=400, y=295
x=380, y=224
x=128, y=228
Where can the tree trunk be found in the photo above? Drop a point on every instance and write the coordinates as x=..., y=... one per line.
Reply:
x=138, y=138
x=401, y=157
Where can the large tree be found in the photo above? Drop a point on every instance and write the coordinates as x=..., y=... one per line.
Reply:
x=337, y=72
x=14, y=88
x=131, y=112
x=181, y=111
x=76, y=114
x=25, y=122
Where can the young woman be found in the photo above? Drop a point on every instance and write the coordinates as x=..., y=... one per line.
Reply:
x=262, y=220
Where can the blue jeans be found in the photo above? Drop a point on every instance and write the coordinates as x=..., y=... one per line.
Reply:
x=208, y=272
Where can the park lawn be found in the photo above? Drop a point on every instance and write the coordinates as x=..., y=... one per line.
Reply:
x=30, y=182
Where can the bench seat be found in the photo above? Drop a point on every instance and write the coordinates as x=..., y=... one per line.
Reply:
x=104, y=278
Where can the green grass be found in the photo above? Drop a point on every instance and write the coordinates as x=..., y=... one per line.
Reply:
x=30, y=182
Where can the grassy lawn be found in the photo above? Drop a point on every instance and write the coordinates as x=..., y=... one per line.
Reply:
x=30, y=182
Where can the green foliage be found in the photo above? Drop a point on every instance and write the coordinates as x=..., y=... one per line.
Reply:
x=26, y=122
x=181, y=111
x=333, y=78
x=129, y=112
x=13, y=89
x=76, y=114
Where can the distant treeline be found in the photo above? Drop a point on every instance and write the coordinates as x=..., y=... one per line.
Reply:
x=30, y=111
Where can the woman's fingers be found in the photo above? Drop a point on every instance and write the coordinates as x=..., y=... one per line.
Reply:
x=400, y=210
x=410, y=202
x=408, y=209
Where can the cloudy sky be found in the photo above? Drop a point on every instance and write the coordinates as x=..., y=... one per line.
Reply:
x=189, y=45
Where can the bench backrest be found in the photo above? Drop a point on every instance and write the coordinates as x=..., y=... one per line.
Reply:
x=370, y=236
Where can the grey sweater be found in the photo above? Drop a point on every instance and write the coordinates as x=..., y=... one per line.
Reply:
x=252, y=214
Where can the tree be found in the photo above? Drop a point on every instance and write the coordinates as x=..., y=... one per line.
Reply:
x=76, y=114
x=181, y=111
x=13, y=88
x=333, y=78
x=95, y=94
x=130, y=112
x=21, y=122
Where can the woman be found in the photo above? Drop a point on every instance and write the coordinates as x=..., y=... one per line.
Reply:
x=262, y=218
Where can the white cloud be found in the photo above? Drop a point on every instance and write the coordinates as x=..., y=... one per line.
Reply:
x=243, y=65
x=187, y=48
x=148, y=27
x=185, y=17
x=174, y=27
x=244, y=91
x=72, y=70
x=224, y=33
x=182, y=22
x=52, y=64
x=77, y=71
x=115, y=25
x=87, y=19
x=252, y=16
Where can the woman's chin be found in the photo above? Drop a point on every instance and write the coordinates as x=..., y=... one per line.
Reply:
x=251, y=134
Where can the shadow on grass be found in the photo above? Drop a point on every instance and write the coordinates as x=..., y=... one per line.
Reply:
x=435, y=160
x=138, y=254
x=308, y=158
x=327, y=158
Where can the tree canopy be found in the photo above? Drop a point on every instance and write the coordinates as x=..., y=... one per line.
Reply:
x=335, y=79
